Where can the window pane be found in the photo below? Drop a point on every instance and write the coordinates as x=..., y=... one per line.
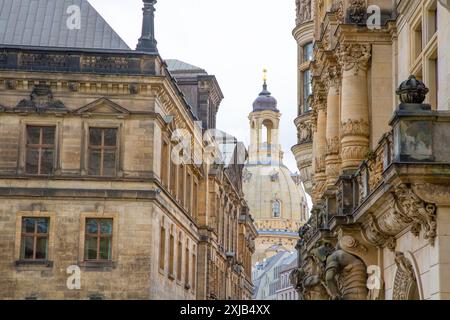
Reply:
x=109, y=164
x=47, y=161
x=91, y=226
x=95, y=137
x=41, y=248
x=48, y=136
x=28, y=225
x=27, y=247
x=94, y=163
x=106, y=226
x=32, y=161
x=90, y=248
x=105, y=249
x=308, y=52
x=110, y=137
x=33, y=135
x=42, y=225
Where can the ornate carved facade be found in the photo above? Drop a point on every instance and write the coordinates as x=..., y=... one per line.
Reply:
x=89, y=185
x=384, y=207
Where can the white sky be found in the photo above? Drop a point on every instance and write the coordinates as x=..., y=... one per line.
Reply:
x=233, y=40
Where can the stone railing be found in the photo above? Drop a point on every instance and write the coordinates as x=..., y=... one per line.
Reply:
x=117, y=62
x=417, y=140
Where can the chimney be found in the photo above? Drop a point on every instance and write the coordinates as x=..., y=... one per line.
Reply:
x=147, y=42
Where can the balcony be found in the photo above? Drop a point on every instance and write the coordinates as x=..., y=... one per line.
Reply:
x=396, y=187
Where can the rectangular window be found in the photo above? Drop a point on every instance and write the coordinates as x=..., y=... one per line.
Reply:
x=193, y=270
x=102, y=151
x=189, y=193
x=173, y=178
x=171, y=255
x=162, y=249
x=431, y=18
x=181, y=184
x=98, y=240
x=417, y=41
x=40, y=150
x=308, y=52
x=195, y=204
x=34, y=239
x=307, y=90
x=186, y=266
x=164, y=164
x=179, y=260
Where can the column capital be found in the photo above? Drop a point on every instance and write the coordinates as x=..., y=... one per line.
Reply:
x=332, y=76
x=354, y=56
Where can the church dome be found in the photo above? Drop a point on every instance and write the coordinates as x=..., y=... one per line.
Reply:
x=265, y=101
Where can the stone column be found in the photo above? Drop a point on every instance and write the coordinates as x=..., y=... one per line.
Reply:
x=332, y=159
x=320, y=140
x=355, y=133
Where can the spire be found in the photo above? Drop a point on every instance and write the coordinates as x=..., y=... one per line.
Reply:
x=147, y=42
x=265, y=79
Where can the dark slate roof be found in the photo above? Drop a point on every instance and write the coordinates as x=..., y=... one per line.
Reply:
x=177, y=66
x=43, y=23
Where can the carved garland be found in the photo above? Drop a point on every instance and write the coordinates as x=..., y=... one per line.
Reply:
x=354, y=57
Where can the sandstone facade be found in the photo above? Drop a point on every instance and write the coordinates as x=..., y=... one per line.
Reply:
x=378, y=226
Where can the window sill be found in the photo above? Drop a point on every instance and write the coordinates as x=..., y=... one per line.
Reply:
x=37, y=263
x=98, y=265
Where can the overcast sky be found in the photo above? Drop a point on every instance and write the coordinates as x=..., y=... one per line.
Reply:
x=234, y=40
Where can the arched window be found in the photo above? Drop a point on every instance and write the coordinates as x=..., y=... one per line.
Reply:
x=276, y=209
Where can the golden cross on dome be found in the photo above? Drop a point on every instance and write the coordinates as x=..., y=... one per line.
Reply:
x=265, y=74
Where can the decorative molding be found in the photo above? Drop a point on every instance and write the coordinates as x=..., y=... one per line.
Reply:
x=356, y=11
x=354, y=127
x=41, y=98
x=332, y=77
x=338, y=9
x=375, y=236
x=354, y=57
x=413, y=210
x=354, y=153
x=304, y=11
x=305, y=132
x=404, y=278
x=333, y=146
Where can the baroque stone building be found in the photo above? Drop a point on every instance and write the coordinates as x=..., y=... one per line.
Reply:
x=274, y=195
x=104, y=191
x=373, y=149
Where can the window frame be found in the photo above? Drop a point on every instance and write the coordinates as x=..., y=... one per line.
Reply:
x=51, y=216
x=35, y=235
x=114, y=242
x=22, y=155
x=85, y=146
x=103, y=149
x=99, y=236
x=40, y=147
